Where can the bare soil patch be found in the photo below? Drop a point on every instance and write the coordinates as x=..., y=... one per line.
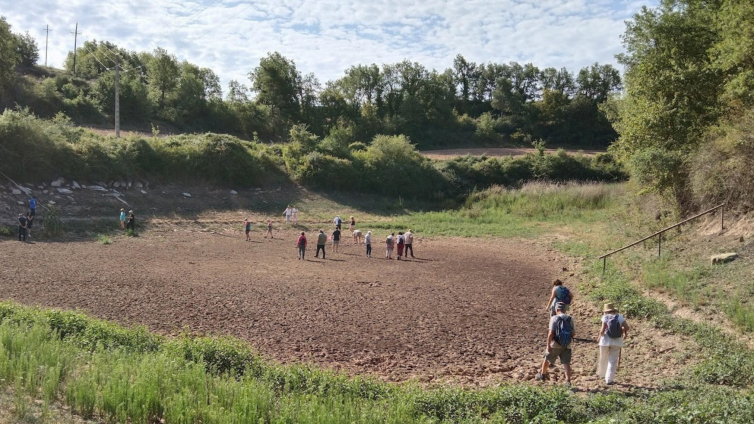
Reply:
x=466, y=310
x=496, y=152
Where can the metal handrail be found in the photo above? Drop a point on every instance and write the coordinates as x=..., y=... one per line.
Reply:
x=659, y=233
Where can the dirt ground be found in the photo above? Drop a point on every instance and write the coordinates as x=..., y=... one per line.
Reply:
x=465, y=310
x=494, y=151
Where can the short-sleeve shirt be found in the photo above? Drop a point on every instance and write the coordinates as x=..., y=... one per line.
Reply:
x=606, y=340
x=336, y=235
x=554, y=323
x=409, y=237
x=32, y=203
x=389, y=241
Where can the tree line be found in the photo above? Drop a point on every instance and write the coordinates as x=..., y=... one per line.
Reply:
x=467, y=104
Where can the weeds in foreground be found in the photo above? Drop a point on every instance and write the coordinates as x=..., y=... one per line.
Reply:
x=131, y=233
x=6, y=231
x=103, y=239
x=53, y=225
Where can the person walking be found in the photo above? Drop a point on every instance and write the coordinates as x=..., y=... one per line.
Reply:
x=321, y=242
x=559, y=338
x=368, y=242
x=21, y=227
x=294, y=215
x=247, y=228
x=352, y=224
x=29, y=223
x=131, y=221
x=335, y=239
x=33, y=205
x=559, y=293
x=610, y=340
x=338, y=222
x=401, y=244
x=122, y=219
x=301, y=244
x=287, y=212
x=409, y=236
x=269, y=229
x=389, y=246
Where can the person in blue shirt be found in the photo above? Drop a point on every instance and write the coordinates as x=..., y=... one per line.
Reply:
x=33, y=205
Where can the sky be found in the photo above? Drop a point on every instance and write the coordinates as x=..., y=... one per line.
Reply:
x=326, y=37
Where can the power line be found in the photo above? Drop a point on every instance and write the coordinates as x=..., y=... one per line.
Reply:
x=96, y=58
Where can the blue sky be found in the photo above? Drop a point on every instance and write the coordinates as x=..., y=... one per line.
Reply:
x=328, y=36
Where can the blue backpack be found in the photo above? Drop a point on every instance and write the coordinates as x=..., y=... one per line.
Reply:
x=565, y=295
x=564, y=330
x=613, y=327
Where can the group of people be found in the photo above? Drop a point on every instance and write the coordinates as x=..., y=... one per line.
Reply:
x=26, y=221
x=127, y=222
x=562, y=333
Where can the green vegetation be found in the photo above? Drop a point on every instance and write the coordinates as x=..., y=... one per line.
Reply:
x=104, y=240
x=467, y=104
x=53, y=225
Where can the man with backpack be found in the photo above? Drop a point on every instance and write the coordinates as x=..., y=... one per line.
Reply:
x=559, y=293
x=559, y=338
x=614, y=330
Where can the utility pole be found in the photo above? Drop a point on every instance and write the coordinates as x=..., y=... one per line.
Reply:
x=117, y=96
x=75, y=35
x=47, y=37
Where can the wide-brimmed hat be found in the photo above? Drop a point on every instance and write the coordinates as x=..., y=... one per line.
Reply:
x=609, y=307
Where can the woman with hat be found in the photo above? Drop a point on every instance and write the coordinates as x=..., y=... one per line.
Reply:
x=614, y=330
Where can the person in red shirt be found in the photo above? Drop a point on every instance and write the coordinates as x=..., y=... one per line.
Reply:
x=301, y=244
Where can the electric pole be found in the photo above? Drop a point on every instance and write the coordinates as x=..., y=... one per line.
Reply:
x=75, y=35
x=117, y=96
x=47, y=37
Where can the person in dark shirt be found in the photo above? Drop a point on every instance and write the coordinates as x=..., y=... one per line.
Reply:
x=21, y=227
x=131, y=221
x=335, y=239
x=321, y=241
x=29, y=223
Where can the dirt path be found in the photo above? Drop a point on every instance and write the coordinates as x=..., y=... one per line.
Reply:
x=495, y=151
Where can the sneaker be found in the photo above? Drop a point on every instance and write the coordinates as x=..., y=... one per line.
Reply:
x=609, y=383
x=542, y=377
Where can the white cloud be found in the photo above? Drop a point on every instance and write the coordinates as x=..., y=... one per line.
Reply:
x=328, y=36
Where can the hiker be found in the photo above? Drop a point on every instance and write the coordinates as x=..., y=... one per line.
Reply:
x=357, y=236
x=294, y=215
x=352, y=225
x=131, y=221
x=559, y=293
x=301, y=244
x=122, y=219
x=389, y=246
x=368, y=242
x=247, y=228
x=21, y=227
x=29, y=223
x=335, y=239
x=559, y=338
x=401, y=244
x=614, y=329
x=269, y=229
x=409, y=236
x=287, y=212
x=33, y=205
x=321, y=242
x=338, y=222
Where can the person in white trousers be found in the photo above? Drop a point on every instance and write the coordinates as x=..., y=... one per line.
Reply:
x=614, y=330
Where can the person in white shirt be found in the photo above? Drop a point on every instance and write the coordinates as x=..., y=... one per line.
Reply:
x=287, y=212
x=409, y=236
x=368, y=242
x=294, y=215
x=614, y=330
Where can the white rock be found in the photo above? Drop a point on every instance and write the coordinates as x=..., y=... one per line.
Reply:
x=45, y=191
x=16, y=191
x=143, y=192
x=129, y=184
x=186, y=195
x=51, y=202
x=20, y=202
x=233, y=192
x=71, y=198
x=138, y=184
x=116, y=184
x=40, y=187
x=83, y=186
x=75, y=185
x=97, y=188
x=59, y=182
x=64, y=191
x=257, y=189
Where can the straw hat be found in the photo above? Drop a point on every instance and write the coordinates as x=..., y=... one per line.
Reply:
x=609, y=307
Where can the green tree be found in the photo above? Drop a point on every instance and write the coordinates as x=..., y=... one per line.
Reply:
x=163, y=72
x=278, y=85
x=8, y=56
x=26, y=49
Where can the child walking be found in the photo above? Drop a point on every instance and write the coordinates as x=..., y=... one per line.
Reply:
x=269, y=229
x=247, y=228
x=301, y=244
